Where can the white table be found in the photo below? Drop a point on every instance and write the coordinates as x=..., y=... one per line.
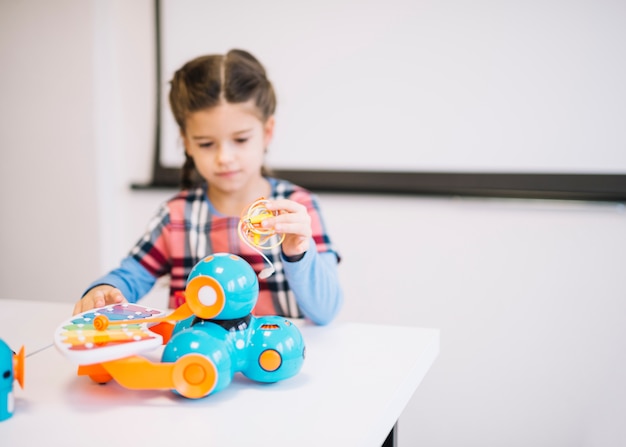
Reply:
x=354, y=385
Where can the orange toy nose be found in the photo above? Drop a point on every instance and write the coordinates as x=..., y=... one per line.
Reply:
x=18, y=367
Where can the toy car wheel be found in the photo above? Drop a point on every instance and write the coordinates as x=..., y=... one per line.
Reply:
x=270, y=360
x=194, y=376
x=101, y=378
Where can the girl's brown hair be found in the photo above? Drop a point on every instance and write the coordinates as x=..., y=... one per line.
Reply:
x=206, y=81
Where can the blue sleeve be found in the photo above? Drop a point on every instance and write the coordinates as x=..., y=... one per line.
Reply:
x=133, y=280
x=314, y=280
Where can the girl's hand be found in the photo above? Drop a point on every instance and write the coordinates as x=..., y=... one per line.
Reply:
x=99, y=296
x=294, y=222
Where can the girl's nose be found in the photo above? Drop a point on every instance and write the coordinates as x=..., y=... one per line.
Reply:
x=224, y=154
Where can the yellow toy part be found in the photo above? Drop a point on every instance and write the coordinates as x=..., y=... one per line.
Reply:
x=252, y=232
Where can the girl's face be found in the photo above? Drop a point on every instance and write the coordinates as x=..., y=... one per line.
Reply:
x=227, y=143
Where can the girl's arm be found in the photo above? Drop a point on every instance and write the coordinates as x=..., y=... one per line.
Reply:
x=131, y=278
x=129, y=282
x=314, y=281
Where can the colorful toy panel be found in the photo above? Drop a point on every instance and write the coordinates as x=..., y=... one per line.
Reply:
x=81, y=342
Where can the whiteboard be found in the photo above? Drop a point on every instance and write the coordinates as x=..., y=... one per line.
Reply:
x=426, y=85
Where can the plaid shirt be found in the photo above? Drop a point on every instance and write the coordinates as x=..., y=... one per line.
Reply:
x=186, y=229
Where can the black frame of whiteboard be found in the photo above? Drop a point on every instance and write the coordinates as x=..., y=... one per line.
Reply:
x=563, y=186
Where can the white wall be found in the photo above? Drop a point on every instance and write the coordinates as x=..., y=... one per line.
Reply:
x=529, y=295
x=49, y=232
x=440, y=85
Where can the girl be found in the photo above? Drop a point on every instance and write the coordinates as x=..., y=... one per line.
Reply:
x=224, y=106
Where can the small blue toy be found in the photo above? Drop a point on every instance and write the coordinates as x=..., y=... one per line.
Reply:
x=11, y=369
x=215, y=336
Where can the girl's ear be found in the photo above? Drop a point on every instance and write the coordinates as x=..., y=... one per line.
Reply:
x=268, y=129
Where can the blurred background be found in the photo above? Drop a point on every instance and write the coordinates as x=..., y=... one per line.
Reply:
x=528, y=294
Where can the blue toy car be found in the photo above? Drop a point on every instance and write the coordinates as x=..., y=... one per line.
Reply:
x=215, y=336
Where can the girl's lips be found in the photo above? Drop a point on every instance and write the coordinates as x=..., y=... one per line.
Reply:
x=227, y=174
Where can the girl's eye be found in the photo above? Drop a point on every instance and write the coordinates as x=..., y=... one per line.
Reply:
x=205, y=145
x=241, y=140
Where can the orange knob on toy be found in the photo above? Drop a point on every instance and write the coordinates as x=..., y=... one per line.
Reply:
x=100, y=323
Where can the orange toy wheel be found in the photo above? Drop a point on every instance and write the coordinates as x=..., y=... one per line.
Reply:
x=270, y=360
x=194, y=376
x=95, y=372
x=101, y=378
x=205, y=297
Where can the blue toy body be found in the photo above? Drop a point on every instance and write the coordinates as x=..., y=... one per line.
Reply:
x=6, y=381
x=264, y=349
